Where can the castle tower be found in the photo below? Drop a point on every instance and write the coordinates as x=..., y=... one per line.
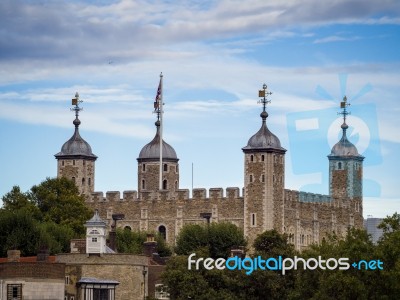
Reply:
x=149, y=165
x=345, y=165
x=346, y=171
x=264, y=171
x=149, y=161
x=76, y=160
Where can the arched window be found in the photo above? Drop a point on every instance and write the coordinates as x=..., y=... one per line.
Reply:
x=165, y=184
x=94, y=231
x=163, y=231
x=143, y=184
x=251, y=157
x=128, y=228
x=262, y=157
x=165, y=167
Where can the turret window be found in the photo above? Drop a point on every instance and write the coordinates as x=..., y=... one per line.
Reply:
x=262, y=157
x=165, y=167
x=144, y=167
x=73, y=162
x=89, y=181
x=176, y=185
x=73, y=179
x=163, y=231
x=83, y=181
x=253, y=220
x=251, y=158
x=62, y=163
x=263, y=178
x=339, y=165
x=165, y=184
x=143, y=184
x=251, y=178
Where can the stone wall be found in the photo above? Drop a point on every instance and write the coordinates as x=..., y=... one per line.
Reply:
x=124, y=268
x=39, y=280
x=82, y=171
x=307, y=217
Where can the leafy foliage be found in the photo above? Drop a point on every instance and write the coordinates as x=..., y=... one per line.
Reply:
x=217, y=238
x=47, y=216
x=295, y=284
x=132, y=242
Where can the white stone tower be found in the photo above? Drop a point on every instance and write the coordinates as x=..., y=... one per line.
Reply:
x=76, y=160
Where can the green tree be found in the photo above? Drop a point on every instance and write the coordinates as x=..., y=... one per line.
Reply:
x=338, y=284
x=18, y=230
x=217, y=238
x=16, y=200
x=47, y=216
x=60, y=202
x=388, y=250
x=132, y=242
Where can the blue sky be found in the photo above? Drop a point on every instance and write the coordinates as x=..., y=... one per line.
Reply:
x=214, y=55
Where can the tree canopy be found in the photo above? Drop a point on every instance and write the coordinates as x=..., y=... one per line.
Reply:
x=46, y=216
x=352, y=283
x=217, y=238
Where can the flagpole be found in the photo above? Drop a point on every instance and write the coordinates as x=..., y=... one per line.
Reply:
x=161, y=131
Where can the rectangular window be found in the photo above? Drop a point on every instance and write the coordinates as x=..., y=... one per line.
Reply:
x=94, y=240
x=100, y=294
x=66, y=280
x=14, y=291
x=253, y=220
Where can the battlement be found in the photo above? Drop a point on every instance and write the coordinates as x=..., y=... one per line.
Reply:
x=230, y=193
x=291, y=195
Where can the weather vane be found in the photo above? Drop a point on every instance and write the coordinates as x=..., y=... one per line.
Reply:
x=343, y=106
x=264, y=94
x=76, y=102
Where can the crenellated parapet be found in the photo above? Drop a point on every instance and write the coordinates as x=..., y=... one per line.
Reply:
x=230, y=193
x=299, y=196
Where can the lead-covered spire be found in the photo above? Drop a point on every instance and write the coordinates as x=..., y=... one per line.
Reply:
x=264, y=139
x=344, y=147
x=76, y=146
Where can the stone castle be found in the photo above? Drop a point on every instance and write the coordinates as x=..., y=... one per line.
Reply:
x=262, y=204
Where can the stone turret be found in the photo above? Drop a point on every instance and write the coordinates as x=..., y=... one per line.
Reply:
x=149, y=165
x=264, y=163
x=345, y=165
x=76, y=160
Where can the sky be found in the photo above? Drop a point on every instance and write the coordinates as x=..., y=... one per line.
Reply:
x=215, y=56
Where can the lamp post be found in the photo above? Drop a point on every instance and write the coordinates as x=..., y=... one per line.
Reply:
x=144, y=272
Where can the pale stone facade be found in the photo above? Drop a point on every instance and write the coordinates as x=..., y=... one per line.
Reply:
x=263, y=203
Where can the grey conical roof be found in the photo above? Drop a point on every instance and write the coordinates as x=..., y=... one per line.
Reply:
x=95, y=221
x=151, y=151
x=344, y=148
x=264, y=139
x=76, y=146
